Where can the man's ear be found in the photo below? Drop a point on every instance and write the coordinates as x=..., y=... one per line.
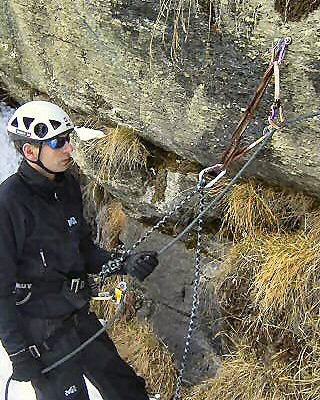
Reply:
x=30, y=151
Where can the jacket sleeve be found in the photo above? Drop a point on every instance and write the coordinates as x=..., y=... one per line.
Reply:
x=94, y=256
x=12, y=231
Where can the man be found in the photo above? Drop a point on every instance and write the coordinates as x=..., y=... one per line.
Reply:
x=45, y=255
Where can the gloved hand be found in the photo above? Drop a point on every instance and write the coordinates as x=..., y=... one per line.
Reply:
x=25, y=366
x=140, y=265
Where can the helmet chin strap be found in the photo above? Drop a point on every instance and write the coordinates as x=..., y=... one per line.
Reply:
x=40, y=163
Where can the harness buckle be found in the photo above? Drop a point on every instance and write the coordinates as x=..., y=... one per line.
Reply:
x=75, y=285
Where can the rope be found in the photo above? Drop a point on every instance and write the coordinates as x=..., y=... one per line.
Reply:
x=215, y=201
x=267, y=134
x=6, y=393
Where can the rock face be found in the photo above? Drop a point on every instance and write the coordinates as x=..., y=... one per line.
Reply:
x=94, y=58
x=168, y=301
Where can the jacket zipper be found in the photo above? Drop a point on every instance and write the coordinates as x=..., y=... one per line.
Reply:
x=43, y=259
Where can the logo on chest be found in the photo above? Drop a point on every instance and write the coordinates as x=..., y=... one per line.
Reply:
x=72, y=221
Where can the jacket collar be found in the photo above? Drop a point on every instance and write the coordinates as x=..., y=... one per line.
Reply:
x=39, y=183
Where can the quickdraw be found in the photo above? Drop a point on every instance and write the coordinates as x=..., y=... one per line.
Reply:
x=278, y=53
x=233, y=153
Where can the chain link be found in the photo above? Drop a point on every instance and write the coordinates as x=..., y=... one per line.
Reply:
x=195, y=301
x=114, y=265
x=166, y=217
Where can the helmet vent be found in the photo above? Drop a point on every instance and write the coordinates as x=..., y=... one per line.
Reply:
x=55, y=124
x=41, y=130
x=15, y=122
x=27, y=122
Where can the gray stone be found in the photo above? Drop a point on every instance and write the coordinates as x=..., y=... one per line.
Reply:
x=168, y=300
x=93, y=56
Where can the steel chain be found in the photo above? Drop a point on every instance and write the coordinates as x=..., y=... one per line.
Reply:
x=195, y=301
x=114, y=265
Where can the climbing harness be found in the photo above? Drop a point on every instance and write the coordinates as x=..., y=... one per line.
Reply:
x=118, y=294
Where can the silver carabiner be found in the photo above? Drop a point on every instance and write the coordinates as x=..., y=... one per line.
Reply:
x=212, y=169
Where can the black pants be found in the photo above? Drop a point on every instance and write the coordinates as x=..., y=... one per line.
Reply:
x=99, y=361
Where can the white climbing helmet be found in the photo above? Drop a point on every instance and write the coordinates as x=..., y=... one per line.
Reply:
x=38, y=121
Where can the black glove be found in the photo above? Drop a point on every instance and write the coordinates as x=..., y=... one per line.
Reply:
x=140, y=265
x=25, y=366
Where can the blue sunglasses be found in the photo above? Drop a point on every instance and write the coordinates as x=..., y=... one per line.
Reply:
x=58, y=142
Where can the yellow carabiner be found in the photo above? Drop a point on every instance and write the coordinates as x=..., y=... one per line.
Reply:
x=117, y=295
x=119, y=291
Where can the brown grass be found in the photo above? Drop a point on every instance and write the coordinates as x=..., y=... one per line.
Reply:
x=273, y=277
x=243, y=376
x=111, y=220
x=104, y=214
x=252, y=208
x=237, y=274
x=139, y=345
x=119, y=152
x=148, y=355
x=287, y=287
x=269, y=291
x=312, y=224
x=94, y=196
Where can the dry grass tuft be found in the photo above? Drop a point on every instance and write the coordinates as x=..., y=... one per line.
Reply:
x=312, y=224
x=233, y=290
x=147, y=354
x=238, y=272
x=252, y=208
x=276, y=278
x=93, y=196
x=138, y=344
x=104, y=214
x=120, y=151
x=287, y=285
x=111, y=220
x=243, y=376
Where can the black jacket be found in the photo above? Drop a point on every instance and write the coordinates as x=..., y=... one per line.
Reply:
x=43, y=238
